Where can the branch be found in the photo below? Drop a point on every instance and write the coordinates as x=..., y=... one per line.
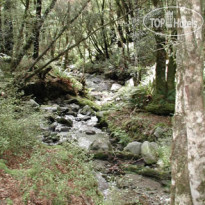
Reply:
x=27, y=78
x=58, y=36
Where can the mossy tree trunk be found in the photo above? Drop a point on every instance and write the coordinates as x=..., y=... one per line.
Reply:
x=160, y=66
x=36, y=29
x=8, y=28
x=171, y=72
x=188, y=158
x=1, y=37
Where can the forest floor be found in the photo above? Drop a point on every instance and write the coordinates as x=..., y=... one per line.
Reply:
x=116, y=180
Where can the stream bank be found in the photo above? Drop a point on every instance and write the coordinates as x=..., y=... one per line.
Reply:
x=71, y=121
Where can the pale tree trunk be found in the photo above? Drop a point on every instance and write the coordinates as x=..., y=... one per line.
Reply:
x=188, y=157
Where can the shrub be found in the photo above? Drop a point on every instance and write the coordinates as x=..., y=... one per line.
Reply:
x=18, y=126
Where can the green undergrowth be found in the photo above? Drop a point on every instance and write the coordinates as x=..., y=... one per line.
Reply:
x=19, y=125
x=57, y=175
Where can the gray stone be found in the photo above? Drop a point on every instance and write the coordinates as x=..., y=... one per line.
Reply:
x=134, y=148
x=115, y=87
x=61, y=128
x=158, y=133
x=81, y=117
x=74, y=107
x=149, y=152
x=53, y=126
x=64, y=121
x=90, y=132
x=101, y=145
x=52, y=108
x=33, y=103
x=102, y=184
x=86, y=110
x=62, y=109
x=130, y=83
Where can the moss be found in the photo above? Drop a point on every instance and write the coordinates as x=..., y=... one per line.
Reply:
x=148, y=172
x=85, y=101
x=160, y=109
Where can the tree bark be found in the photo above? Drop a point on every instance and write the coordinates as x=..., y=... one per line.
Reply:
x=188, y=183
x=1, y=36
x=160, y=66
x=171, y=71
x=30, y=39
x=8, y=28
x=36, y=30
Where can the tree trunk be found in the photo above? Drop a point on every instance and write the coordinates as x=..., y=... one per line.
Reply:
x=8, y=28
x=161, y=66
x=1, y=36
x=171, y=72
x=188, y=162
x=65, y=63
x=37, y=29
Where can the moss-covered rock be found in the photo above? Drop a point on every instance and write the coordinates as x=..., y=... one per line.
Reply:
x=85, y=101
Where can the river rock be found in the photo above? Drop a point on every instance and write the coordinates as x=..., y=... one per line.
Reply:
x=62, y=128
x=102, y=184
x=134, y=148
x=74, y=107
x=53, y=126
x=90, y=132
x=115, y=87
x=101, y=145
x=149, y=152
x=64, y=121
x=87, y=110
x=52, y=108
x=62, y=110
x=81, y=117
x=158, y=133
x=33, y=103
x=130, y=83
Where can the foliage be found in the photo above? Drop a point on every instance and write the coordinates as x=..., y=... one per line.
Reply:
x=164, y=153
x=18, y=126
x=57, y=174
x=58, y=72
x=141, y=96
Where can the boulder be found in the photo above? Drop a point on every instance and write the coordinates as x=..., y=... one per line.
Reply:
x=64, y=121
x=134, y=148
x=90, y=132
x=101, y=145
x=130, y=83
x=74, y=107
x=87, y=110
x=149, y=152
x=53, y=126
x=115, y=87
x=158, y=133
x=33, y=103
x=61, y=128
x=102, y=184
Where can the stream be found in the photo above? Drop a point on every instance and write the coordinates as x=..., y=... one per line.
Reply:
x=70, y=122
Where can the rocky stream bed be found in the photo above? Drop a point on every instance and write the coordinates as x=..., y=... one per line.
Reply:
x=79, y=124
